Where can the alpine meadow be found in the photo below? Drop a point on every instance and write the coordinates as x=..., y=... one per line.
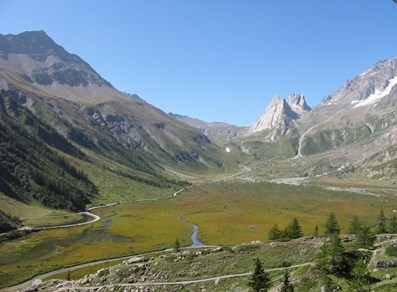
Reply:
x=100, y=190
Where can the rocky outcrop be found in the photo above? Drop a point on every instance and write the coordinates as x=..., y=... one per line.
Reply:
x=298, y=103
x=40, y=60
x=385, y=264
x=280, y=114
x=275, y=113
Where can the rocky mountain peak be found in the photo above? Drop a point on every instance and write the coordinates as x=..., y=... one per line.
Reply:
x=367, y=88
x=272, y=116
x=298, y=103
x=280, y=113
x=38, y=59
x=36, y=44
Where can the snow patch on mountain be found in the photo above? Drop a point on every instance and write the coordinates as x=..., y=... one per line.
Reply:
x=377, y=95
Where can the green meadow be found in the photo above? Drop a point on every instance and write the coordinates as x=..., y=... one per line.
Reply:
x=226, y=213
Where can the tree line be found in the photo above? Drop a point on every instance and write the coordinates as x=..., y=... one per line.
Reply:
x=334, y=260
x=363, y=232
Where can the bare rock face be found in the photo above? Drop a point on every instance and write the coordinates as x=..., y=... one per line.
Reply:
x=40, y=60
x=272, y=116
x=298, y=103
x=280, y=114
x=367, y=88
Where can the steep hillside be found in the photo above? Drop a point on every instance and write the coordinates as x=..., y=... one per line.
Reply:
x=56, y=110
x=91, y=105
x=31, y=167
x=8, y=223
x=362, y=112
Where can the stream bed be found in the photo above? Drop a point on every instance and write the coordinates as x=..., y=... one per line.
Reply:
x=195, y=241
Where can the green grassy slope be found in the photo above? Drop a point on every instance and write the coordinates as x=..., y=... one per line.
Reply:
x=66, y=155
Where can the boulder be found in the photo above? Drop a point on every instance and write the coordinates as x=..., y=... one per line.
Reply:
x=385, y=264
x=36, y=283
x=134, y=260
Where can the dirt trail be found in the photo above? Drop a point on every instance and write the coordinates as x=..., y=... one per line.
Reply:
x=94, y=217
x=89, y=264
x=216, y=279
x=187, y=282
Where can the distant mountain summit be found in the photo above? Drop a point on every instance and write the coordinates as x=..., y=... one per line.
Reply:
x=298, y=103
x=341, y=118
x=354, y=128
x=367, y=88
x=43, y=63
x=362, y=111
x=280, y=114
x=36, y=44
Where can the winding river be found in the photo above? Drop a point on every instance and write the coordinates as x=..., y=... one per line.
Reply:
x=195, y=241
x=195, y=244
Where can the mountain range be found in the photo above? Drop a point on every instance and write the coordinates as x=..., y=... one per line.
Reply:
x=356, y=126
x=57, y=113
x=61, y=124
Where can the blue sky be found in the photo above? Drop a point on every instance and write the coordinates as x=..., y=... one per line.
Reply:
x=217, y=60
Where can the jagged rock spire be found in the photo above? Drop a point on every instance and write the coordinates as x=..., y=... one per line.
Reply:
x=280, y=112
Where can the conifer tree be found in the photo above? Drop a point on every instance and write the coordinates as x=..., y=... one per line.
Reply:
x=381, y=223
x=365, y=238
x=315, y=234
x=274, y=233
x=332, y=226
x=393, y=224
x=287, y=285
x=335, y=252
x=361, y=278
x=259, y=281
x=293, y=230
x=177, y=245
x=355, y=225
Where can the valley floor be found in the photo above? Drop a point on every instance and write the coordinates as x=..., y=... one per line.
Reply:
x=227, y=213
